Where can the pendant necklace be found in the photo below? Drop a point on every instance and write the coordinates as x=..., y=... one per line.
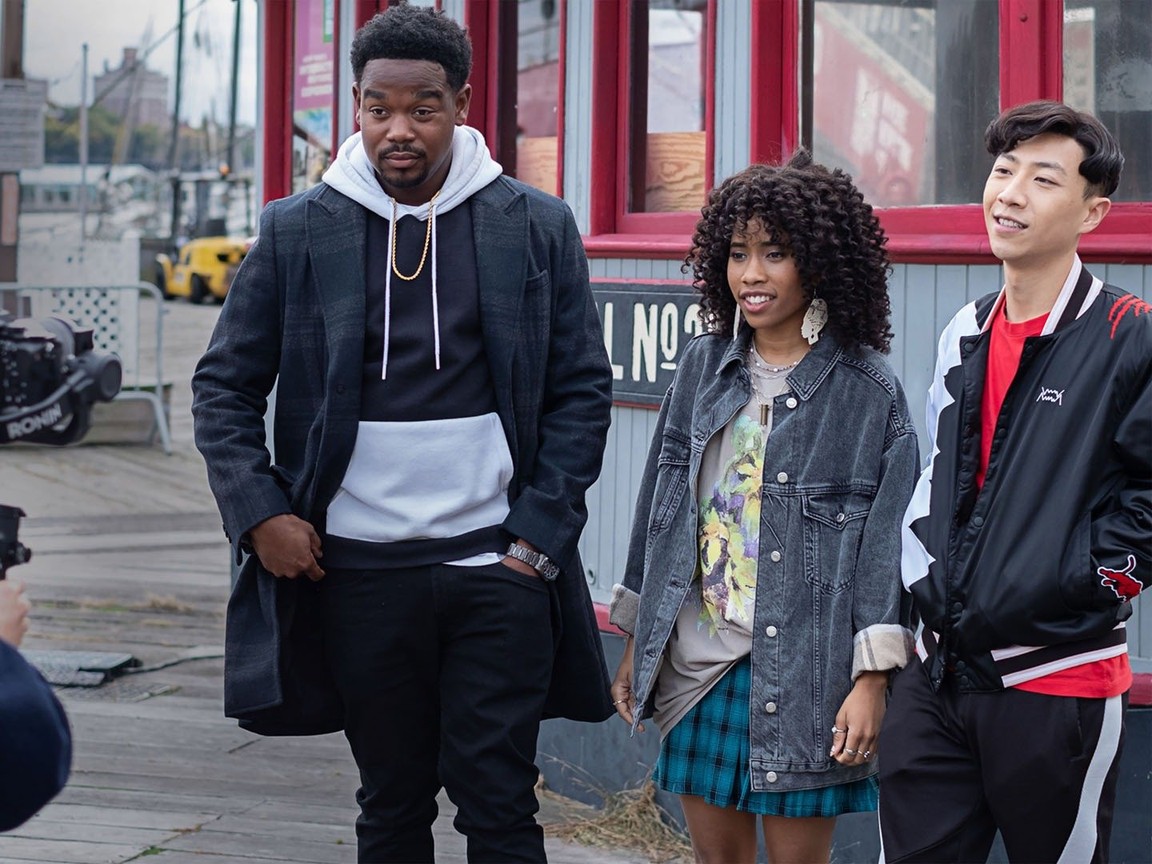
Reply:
x=763, y=372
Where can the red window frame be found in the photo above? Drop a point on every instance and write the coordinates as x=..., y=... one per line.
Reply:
x=1031, y=67
x=1031, y=34
x=614, y=228
x=279, y=47
x=493, y=27
x=278, y=99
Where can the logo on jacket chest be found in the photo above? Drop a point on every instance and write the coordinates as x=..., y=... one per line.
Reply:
x=1048, y=394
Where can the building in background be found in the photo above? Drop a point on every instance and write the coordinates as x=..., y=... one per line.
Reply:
x=133, y=87
x=631, y=110
x=56, y=188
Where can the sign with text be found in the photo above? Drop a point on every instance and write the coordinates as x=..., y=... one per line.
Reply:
x=22, y=105
x=646, y=326
x=315, y=70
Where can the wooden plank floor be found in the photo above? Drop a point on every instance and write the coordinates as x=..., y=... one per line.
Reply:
x=128, y=556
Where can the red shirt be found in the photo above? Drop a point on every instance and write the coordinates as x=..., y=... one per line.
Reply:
x=1099, y=678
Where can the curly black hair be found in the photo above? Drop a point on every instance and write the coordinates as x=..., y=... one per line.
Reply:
x=414, y=33
x=1102, y=161
x=820, y=217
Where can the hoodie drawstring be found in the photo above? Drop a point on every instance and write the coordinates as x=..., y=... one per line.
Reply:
x=388, y=296
x=435, y=299
x=429, y=235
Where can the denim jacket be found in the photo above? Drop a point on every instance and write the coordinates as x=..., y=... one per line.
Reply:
x=840, y=466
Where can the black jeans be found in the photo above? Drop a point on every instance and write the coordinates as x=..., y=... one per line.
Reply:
x=443, y=671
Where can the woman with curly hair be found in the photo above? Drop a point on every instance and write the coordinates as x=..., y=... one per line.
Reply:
x=762, y=587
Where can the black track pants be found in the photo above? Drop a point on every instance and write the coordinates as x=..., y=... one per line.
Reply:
x=955, y=767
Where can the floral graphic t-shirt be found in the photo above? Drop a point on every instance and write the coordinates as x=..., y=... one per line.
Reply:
x=714, y=627
x=730, y=531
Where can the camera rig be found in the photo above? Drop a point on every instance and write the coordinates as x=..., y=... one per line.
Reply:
x=50, y=377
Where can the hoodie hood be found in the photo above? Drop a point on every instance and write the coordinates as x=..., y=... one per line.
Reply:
x=354, y=175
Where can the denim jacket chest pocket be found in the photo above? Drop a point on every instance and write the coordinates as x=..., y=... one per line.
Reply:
x=833, y=528
x=671, y=479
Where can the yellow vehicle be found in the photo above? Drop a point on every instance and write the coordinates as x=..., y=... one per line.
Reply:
x=203, y=269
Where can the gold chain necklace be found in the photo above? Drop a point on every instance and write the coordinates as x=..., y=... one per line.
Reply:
x=427, y=239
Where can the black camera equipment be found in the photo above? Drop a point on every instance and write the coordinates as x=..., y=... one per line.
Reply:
x=12, y=551
x=50, y=377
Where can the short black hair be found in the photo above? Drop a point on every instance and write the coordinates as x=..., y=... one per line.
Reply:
x=1102, y=160
x=414, y=33
x=821, y=218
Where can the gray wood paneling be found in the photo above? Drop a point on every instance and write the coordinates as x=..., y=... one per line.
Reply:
x=916, y=331
x=625, y=268
x=1138, y=280
x=733, y=87
x=454, y=9
x=924, y=298
x=345, y=110
x=983, y=280
x=611, y=501
x=1127, y=277
x=578, y=110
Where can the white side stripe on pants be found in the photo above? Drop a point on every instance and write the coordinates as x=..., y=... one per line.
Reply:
x=1082, y=841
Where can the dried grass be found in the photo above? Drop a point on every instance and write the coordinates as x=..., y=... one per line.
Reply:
x=631, y=820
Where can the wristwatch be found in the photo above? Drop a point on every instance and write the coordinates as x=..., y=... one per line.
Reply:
x=541, y=562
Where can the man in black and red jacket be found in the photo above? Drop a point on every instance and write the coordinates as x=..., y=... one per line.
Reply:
x=1030, y=531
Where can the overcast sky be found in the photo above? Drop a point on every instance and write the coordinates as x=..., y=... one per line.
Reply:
x=54, y=31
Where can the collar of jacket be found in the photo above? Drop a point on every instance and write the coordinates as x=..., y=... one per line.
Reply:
x=1076, y=297
x=804, y=380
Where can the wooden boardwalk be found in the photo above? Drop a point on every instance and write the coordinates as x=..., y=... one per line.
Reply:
x=129, y=557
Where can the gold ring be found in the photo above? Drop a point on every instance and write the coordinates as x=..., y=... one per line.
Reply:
x=619, y=701
x=849, y=751
x=836, y=731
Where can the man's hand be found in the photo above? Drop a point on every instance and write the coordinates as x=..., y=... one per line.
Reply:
x=14, y=608
x=288, y=547
x=518, y=565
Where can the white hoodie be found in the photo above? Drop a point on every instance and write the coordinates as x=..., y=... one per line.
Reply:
x=385, y=495
x=354, y=175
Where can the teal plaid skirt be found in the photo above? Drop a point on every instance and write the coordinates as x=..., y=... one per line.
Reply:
x=706, y=754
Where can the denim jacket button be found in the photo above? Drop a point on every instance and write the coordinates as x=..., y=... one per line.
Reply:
x=770, y=707
x=781, y=477
x=775, y=556
x=770, y=776
x=791, y=402
x=839, y=517
x=771, y=630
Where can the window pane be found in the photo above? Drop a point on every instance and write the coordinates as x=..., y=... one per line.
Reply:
x=312, y=94
x=537, y=92
x=902, y=91
x=668, y=76
x=1108, y=72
